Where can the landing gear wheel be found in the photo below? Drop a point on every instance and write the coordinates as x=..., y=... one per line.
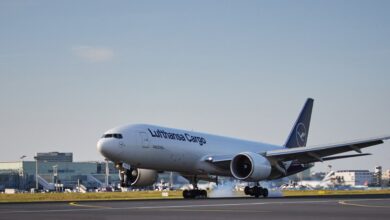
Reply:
x=247, y=190
x=265, y=193
x=256, y=191
x=194, y=194
x=187, y=194
x=203, y=193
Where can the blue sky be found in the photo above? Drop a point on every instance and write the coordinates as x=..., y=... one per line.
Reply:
x=69, y=70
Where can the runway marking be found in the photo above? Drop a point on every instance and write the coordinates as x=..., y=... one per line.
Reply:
x=215, y=210
x=88, y=206
x=233, y=204
x=343, y=202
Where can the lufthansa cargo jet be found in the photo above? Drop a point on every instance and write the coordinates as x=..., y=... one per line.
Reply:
x=140, y=151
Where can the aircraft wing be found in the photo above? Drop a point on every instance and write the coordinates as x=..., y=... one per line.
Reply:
x=321, y=153
x=338, y=157
x=306, y=154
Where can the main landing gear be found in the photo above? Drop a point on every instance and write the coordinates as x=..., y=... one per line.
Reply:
x=256, y=191
x=194, y=193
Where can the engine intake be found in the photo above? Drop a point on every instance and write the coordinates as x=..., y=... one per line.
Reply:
x=137, y=177
x=250, y=166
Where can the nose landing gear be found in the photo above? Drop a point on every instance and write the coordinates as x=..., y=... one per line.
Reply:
x=126, y=175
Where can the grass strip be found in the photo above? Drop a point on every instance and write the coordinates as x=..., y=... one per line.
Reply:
x=57, y=197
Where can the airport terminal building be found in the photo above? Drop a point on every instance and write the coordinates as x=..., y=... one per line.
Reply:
x=355, y=177
x=55, y=169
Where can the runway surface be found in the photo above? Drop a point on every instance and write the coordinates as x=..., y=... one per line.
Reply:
x=330, y=207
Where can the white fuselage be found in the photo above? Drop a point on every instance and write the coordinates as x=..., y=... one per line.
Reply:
x=167, y=149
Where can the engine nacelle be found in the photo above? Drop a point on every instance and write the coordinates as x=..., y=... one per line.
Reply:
x=144, y=177
x=250, y=166
x=138, y=177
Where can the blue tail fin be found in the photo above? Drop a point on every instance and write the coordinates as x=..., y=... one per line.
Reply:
x=300, y=131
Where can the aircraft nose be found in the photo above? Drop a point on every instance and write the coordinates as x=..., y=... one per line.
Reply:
x=105, y=148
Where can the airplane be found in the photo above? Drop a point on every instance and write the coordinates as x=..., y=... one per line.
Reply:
x=141, y=151
x=326, y=183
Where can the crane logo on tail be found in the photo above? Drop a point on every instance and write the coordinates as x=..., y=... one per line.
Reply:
x=301, y=134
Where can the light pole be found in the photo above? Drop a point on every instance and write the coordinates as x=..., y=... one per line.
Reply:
x=36, y=172
x=170, y=180
x=107, y=173
x=55, y=175
x=22, y=179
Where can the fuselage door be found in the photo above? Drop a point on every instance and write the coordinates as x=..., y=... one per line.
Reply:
x=145, y=142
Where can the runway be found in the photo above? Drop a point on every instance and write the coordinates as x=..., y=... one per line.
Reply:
x=330, y=207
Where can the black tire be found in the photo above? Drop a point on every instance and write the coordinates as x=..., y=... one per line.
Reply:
x=247, y=190
x=203, y=193
x=187, y=194
x=257, y=191
x=265, y=193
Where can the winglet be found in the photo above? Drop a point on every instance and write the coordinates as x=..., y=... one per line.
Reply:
x=299, y=133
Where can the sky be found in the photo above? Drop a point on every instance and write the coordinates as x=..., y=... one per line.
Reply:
x=70, y=70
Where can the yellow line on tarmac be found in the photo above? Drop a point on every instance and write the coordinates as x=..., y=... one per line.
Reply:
x=214, y=210
x=88, y=206
x=362, y=205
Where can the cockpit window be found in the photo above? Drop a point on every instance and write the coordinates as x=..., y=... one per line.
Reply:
x=117, y=136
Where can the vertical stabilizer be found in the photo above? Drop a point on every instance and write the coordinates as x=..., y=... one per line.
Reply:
x=299, y=133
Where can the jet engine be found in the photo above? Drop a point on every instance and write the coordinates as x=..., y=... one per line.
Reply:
x=249, y=166
x=137, y=177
